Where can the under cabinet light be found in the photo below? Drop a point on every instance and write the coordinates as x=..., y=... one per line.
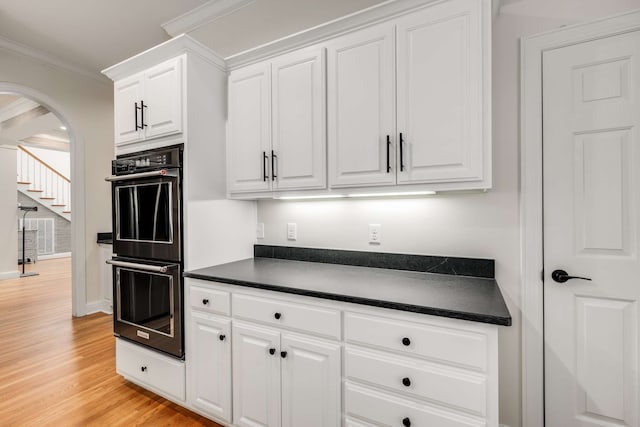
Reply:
x=400, y=194
x=323, y=196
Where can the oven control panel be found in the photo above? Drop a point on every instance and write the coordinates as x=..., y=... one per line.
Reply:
x=145, y=161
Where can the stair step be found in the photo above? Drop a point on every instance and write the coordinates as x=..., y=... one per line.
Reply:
x=47, y=198
x=35, y=191
x=24, y=183
x=57, y=205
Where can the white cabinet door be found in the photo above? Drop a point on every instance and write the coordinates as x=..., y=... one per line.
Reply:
x=256, y=376
x=311, y=381
x=440, y=99
x=361, y=108
x=211, y=365
x=249, y=129
x=163, y=99
x=298, y=117
x=127, y=100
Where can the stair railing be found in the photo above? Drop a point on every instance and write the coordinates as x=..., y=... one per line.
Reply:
x=43, y=178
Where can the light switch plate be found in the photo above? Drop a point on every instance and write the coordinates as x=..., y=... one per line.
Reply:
x=260, y=230
x=292, y=231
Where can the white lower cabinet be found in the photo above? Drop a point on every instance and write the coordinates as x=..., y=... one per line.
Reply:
x=282, y=379
x=211, y=360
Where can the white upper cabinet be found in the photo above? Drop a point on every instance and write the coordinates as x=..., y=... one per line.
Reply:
x=249, y=129
x=440, y=83
x=149, y=104
x=276, y=129
x=298, y=117
x=361, y=113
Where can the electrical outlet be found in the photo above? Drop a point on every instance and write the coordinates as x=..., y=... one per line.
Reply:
x=375, y=233
x=292, y=231
x=260, y=230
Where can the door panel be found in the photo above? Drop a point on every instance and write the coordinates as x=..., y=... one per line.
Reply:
x=299, y=140
x=256, y=376
x=440, y=93
x=591, y=184
x=249, y=129
x=163, y=98
x=127, y=93
x=310, y=382
x=361, y=108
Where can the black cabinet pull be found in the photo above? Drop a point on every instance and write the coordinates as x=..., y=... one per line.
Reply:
x=406, y=382
x=143, y=368
x=264, y=166
x=283, y=354
x=406, y=341
x=272, y=351
x=273, y=167
x=222, y=337
x=205, y=301
x=277, y=315
x=388, y=147
x=136, y=114
x=406, y=422
x=142, y=107
x=401, y=153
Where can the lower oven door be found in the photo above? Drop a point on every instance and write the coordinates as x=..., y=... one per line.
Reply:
x=147, y=305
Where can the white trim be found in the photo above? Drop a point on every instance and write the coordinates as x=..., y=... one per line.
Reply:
x=372, y=15
x=531, y=196
x=54, y=256
x=78, y=262
x=49, y=59
x=17, y=107
x=9, y=275
x=203, y=14
x=103, y=306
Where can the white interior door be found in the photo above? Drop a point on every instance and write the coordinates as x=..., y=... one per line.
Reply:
x=591, y=119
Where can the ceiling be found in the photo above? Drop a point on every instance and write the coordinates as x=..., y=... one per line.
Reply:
x=567, y=10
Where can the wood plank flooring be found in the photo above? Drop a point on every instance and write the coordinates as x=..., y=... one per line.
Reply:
x=56, y=370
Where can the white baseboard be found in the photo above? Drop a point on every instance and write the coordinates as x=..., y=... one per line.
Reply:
x=9, y=275
x=54, y=256
x=103, y=306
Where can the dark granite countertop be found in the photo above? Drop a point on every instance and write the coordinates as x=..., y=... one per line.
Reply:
x=470, y=298
x=105, y=238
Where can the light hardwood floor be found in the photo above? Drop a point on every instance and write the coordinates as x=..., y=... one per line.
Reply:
x=56, y=370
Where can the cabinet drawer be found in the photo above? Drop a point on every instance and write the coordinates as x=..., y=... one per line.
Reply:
x=209, y=300
x=451, y=345
x=388, y=410
x=318, y=320
x=467, y=391
x=160, y=372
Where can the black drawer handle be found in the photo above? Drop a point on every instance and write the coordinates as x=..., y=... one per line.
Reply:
x=277, y=315
x=143, y=368
x=205, y=301
x=388, y=147
x=272, y=351
x=222, y=337
x=406, y=341
x=406, y=382
x=406, y=422
x=283, y=354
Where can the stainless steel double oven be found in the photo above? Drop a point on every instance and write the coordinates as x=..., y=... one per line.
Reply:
x=147, y=244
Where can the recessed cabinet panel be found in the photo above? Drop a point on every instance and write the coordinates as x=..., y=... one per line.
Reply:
x=211, y=359
x=163, y=99
x=440, y=105
x=298, y=120
x=256, y=376
x=127, y=93
x=310, y=382
x=361, y=108
x=249, y=129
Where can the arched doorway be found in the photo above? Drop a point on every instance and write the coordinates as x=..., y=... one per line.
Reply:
x=78, y=274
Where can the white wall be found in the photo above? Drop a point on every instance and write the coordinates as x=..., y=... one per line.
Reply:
x=90, y=106
x=8, y=213
x=59, y=160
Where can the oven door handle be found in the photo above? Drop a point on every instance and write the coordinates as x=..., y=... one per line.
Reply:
x=161, y=172
x=146, y=267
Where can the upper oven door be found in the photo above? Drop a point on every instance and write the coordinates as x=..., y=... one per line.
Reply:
x=147, y=216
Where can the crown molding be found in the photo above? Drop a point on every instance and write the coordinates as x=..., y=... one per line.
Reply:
x=48, y=59
x=204, y=14
x=16, y=108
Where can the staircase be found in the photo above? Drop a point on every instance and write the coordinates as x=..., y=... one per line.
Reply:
x=43, y=184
